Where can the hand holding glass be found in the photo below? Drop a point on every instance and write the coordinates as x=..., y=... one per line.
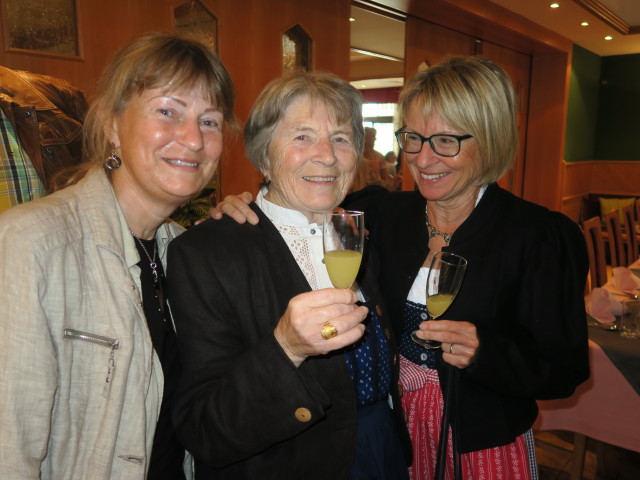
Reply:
x=343, y=241
x=443, y=282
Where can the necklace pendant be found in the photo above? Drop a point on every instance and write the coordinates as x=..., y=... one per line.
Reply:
x=433, y=231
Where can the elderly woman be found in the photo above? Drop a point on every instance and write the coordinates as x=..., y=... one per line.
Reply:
x=87, y=346
x=263, y=393
x=516, y=331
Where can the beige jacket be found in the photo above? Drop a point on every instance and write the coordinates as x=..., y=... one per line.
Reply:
x=80, y=384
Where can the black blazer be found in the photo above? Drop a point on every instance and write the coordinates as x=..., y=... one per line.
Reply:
x=242, y=408
x=523, y=289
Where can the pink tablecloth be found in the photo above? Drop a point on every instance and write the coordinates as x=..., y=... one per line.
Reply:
x=605, y=407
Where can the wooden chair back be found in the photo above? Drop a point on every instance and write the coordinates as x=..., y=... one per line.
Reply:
x=631, y=233
x=592, y=230
x=617, y=254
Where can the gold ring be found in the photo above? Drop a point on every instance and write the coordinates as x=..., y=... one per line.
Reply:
x=328, y=331
x=451, y=349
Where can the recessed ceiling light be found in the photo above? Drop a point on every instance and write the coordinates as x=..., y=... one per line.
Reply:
x=555, y=5
x=608, y=37
x=585, y=24
x=351, y=19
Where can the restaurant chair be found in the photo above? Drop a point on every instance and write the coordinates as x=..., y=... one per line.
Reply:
x=592, y=230
x=617, y=254
x=631, y=233
x=637, y=202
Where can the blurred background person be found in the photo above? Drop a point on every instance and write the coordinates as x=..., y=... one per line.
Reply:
x=377, y=169
x=266, y=390
x=91, y=341
x=391, y=160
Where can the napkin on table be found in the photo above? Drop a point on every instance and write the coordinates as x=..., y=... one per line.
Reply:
x=625, y=280
x=602, y=306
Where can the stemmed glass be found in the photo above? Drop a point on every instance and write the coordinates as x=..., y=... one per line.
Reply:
x=343, y=241
x=443, y=282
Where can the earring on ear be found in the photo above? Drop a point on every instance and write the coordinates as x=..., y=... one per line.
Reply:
x=113, y=161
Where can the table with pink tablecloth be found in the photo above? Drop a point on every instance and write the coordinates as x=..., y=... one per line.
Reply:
x=605, y=407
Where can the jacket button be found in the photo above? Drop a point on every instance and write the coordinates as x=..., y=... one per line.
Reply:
x=303, y=414
x=379, y=310
x=387, y=333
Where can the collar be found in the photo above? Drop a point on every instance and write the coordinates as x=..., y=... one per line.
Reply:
x=108, y=224
x=281, y=215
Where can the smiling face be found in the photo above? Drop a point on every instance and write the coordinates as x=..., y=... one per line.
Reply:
x=169, y=142
x=312, y=160
x=441, y=178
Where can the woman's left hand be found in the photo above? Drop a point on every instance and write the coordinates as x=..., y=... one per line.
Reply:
x=460, y=341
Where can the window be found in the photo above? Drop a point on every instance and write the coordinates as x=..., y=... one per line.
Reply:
x=381, y=117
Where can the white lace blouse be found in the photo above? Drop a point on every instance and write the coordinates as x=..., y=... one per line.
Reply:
x=304, y=240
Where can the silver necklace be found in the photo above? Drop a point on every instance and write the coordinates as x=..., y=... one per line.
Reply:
x=152, y=261
x=433, y=231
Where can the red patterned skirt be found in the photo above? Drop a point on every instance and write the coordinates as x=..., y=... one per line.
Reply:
x=422, y=402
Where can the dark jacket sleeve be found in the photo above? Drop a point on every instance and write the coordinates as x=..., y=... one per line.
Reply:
x=538, y=347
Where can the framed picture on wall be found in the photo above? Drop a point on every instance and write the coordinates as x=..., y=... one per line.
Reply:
x=194, y=18
x=48, y=27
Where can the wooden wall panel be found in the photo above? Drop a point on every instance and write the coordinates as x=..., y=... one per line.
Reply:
x=546, y=129
x=600, y=177
x=576, y=184
x=249, y=36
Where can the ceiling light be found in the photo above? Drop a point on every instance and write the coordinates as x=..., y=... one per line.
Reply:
x=608, y=37
x=555, y=5
x=585, y=24
x=351, y=19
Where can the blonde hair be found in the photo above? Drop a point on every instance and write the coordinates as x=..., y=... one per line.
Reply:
x=151, y=60
x=342, y=99
x=475, y=96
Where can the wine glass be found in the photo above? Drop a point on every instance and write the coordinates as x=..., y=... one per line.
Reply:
x=343, y=241
x=443, y=282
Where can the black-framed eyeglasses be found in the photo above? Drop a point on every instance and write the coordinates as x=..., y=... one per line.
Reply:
x=443, y=145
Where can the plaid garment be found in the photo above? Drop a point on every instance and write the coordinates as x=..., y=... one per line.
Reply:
x=19, y=181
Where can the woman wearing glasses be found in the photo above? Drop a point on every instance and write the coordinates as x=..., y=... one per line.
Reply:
x=516, y=331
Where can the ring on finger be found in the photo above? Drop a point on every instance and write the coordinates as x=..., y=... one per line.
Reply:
x=451, y=349
x=328, y=331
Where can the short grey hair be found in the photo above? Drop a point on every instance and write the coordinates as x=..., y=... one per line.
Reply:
x=340, y=98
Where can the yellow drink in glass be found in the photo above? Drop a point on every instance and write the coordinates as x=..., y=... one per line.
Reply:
x=342, y=266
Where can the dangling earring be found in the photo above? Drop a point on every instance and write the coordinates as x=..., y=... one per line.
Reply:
x=113, y=161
